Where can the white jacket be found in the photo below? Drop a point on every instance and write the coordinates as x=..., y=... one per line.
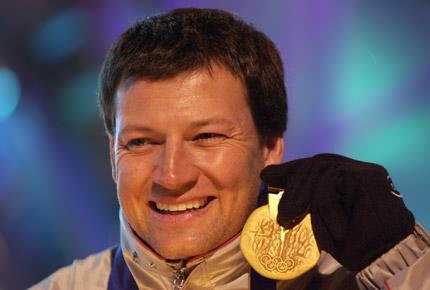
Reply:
x=406, y=267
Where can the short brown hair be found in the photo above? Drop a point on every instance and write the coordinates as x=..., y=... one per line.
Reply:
x=187, y=39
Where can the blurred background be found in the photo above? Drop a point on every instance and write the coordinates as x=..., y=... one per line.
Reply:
x=358, y=78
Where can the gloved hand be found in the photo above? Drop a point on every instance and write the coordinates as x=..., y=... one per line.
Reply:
x=357, y=214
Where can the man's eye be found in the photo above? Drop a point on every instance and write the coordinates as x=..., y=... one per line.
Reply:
x=138, y=143
x=208, y=137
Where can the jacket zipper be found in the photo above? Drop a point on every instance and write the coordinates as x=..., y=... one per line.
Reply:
x=179, y=278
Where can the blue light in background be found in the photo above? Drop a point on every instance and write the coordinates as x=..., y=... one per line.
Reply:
x=79, y=99
x=397, y=141
x=10, y=91
x=370, y=67
x=401, y=145
x=25, y=163
x=60, y=36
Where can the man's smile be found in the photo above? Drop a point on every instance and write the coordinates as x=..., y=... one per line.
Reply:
x=182, y=207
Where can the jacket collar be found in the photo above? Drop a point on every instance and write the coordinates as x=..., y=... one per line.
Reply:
x=215, y=268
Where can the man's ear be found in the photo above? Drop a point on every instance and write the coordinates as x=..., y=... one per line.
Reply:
x=112, y=156
x=274, y=147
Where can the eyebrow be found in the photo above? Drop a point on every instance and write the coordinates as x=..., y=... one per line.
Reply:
x=210, y=121
x=135, y=128
x=193, y=124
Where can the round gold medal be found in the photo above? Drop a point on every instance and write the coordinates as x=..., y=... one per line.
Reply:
x=275, y=252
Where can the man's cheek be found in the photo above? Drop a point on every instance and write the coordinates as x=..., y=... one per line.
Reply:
x=130, y=172
x=225, y=174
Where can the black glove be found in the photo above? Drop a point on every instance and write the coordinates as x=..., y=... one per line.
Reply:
x=357, y=214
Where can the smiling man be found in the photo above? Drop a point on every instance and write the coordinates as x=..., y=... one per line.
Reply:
x=186, y=158
x=194, y=106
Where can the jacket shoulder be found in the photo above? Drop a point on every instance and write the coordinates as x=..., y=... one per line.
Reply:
x=405, y=266
x=91, y=272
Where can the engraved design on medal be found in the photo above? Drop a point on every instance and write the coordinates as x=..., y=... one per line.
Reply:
x=282, y=250
x=274, y=251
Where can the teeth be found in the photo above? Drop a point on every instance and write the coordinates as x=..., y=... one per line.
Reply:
x=182, y=206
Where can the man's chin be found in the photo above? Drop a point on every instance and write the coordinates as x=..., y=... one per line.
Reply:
x=186, y=249
x=179, y=247
x=169, y=253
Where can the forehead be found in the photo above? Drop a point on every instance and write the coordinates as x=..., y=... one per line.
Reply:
x=199, y=94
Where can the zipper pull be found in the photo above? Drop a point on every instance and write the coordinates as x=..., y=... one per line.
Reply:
x=179, y=278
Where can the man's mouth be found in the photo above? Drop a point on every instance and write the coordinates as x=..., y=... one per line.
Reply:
x=179, y=208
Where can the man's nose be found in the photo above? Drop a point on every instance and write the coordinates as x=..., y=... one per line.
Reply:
x=175, y=171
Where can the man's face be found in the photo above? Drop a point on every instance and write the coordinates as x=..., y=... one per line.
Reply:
x=186, y=160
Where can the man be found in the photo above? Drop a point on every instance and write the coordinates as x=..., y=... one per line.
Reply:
x=194, y=106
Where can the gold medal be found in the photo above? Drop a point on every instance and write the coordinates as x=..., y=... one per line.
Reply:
x=273, y=251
